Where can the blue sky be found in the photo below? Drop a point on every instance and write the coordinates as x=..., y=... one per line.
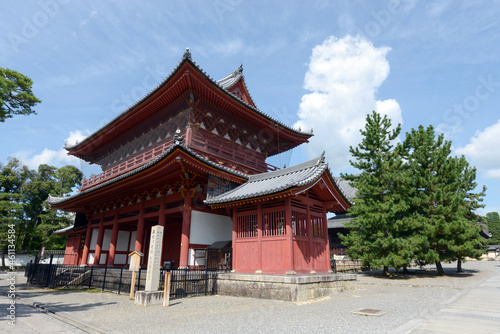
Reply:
x=315, y=64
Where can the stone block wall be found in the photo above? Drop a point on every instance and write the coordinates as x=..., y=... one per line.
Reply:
x=282, y=287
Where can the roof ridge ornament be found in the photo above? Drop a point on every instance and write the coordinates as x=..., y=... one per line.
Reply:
x=178, y=139
x=321, y=159
x=240, y=69
x=187, y=54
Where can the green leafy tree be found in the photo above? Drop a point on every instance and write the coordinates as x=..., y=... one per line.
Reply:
x=16, y=96
x=378, y=234
x=41, y=221
x=23, y=203
x=12, y=175
x=442, y=203
x=493, y=221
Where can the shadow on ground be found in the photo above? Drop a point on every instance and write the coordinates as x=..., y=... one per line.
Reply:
x=419, y=273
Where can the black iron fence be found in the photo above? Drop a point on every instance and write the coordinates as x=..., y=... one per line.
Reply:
x=190, y=282
x=184, y=282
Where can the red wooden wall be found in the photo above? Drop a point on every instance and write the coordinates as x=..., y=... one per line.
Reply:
x=277, y=237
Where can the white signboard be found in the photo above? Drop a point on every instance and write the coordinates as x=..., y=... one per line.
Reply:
x=153, y=273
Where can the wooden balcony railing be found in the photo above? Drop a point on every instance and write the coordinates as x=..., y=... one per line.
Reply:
x=133, y=163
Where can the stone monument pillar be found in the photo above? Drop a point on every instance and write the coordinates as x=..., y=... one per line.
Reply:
x=154, y=259
x=151, y=295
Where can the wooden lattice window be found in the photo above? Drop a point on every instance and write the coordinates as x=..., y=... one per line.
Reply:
x=246, y=226
x=273, y=223
x=299, y=225
x=317, y=226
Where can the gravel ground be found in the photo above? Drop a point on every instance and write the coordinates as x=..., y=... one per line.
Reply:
x=408, y=298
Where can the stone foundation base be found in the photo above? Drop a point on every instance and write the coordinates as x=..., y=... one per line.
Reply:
x=147, y=298
x=282, y=287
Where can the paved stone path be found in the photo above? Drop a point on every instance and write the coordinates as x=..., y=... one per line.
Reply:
x=476, y=310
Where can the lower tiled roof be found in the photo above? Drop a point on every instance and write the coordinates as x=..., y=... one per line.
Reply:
x=274, y=182
x=57, y=200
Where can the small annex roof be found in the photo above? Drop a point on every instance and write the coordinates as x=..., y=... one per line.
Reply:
x=223, y=84
x=176, y=144
x=338, y=221
x=276, y=181
x=484, y=230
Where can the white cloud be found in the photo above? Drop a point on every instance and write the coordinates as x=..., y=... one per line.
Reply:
x=76, y=137
x=343, y=77
x=483, y=150
x=50, y=157
x=391, y=109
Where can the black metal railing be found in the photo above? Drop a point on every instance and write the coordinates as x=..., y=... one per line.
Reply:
x=190, y=282
x=184, y=282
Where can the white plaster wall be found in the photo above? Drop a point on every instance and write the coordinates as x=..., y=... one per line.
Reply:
x=24, y=259
x=90, y=258
x=58, y=259
x=207, y=228
x=132, y=241
x=120, y=258
x=106, y=240
x=122, y=242
x=103, y=258
x=93, y=240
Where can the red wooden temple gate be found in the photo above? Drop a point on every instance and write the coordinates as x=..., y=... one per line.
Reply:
x=191, y=156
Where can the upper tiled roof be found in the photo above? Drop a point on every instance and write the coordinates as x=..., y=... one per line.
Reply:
x=58, y=200
x=273, y=182
x=223, y=84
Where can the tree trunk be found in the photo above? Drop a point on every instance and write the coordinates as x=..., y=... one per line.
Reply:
x=29, y=231
x=42, y=250
x=439, y=268
x=405, y=270
x=386, y=271
x=459, y=266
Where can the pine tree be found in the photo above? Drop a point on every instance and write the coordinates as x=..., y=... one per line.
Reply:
x=468, y=242
x=442, y=204
x=378, y=234
x=16, y=96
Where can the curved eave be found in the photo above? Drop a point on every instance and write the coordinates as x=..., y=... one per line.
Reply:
x=139, y=111
x=343, y=200
x=211, y=167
